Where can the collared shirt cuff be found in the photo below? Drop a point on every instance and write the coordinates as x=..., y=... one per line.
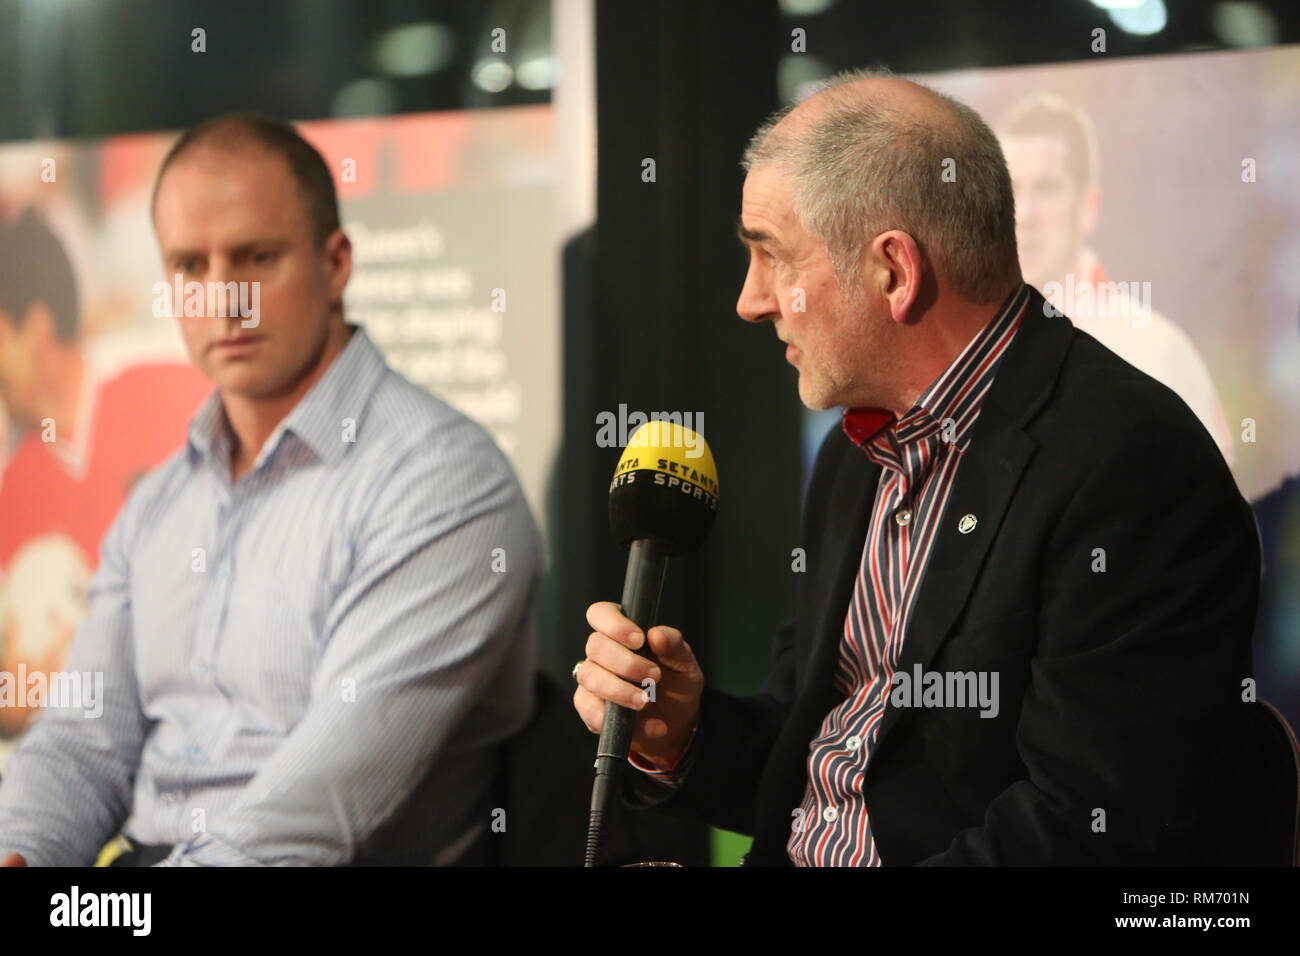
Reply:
x=674, y=775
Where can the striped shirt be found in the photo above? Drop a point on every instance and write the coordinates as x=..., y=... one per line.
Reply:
x=919, y=455
x=313, y=663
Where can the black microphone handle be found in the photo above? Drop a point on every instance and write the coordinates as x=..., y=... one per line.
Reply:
x=647, y=562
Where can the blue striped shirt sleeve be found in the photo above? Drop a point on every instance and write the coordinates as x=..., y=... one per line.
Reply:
x=428, y=615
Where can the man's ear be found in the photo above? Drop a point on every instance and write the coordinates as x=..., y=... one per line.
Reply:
x=338, y=256
x=896, y=265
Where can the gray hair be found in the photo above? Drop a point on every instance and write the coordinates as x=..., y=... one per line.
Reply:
x=863, y=167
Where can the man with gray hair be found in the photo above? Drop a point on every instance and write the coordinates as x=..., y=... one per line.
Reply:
x=1010, y=511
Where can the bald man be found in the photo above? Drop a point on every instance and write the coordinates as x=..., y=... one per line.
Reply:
x=1023, y=635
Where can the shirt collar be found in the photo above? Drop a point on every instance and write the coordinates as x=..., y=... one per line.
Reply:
x=317, y=420
x=955, y=396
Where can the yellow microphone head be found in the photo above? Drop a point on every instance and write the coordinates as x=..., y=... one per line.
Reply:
x=665, y=487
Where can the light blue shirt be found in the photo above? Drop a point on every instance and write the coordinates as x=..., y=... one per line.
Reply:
x=313, y=665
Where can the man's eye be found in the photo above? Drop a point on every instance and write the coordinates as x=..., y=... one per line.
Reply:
x=264, y=258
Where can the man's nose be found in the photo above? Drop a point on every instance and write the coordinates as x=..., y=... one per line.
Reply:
x=756, y=302
x=223, y=299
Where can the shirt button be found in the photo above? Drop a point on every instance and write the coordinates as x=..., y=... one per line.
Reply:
x=904, y=517
x=854, y=742
x=830, y=814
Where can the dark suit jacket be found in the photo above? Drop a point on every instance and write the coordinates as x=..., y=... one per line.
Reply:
x=1122, y=737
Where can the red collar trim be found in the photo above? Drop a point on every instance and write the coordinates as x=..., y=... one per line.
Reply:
x=863, y=424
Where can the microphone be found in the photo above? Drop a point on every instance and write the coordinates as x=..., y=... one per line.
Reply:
x=662, y=501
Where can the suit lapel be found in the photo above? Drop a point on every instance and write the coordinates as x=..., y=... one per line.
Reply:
x=986, y=481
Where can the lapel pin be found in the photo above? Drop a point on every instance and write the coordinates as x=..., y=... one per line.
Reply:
x=967, y=524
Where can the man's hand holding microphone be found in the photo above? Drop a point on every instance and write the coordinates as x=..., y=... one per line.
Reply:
x=613, y=671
